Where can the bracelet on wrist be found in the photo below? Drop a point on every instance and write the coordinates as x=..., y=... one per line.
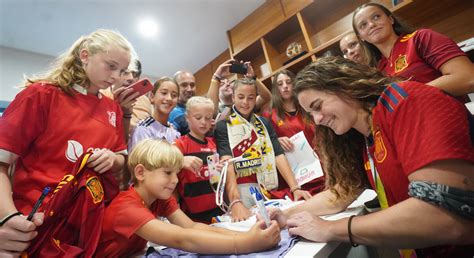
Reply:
x=233, y=203
x=349, y=232
x=127, y=115
x=295, y=188
x=217, y=77
x=8, y=217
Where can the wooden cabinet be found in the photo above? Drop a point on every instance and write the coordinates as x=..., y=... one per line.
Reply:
x=318, y=25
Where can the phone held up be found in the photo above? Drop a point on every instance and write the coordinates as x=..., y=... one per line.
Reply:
x=238, y=67
x=142, y=86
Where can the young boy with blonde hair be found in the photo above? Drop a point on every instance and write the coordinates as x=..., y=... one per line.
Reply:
x=130, y=220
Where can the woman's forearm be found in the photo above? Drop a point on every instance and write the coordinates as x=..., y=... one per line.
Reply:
x=410, y=224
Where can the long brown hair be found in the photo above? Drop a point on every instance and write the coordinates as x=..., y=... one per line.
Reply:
x=372, y=53
x=277, y=101
x=341, y=155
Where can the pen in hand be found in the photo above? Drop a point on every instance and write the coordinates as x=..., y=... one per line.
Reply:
x=38, y=203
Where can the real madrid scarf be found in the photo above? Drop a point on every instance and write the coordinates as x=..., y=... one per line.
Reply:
x=252, y=139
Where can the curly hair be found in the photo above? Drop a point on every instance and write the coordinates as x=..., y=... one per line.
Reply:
x=341, y=155
x=67, y=69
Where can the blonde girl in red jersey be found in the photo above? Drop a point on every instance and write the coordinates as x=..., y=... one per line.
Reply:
x=55, y=119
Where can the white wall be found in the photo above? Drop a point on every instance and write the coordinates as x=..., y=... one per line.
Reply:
x=14, y=63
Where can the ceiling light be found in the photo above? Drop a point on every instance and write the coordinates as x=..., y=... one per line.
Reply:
x=148, y=27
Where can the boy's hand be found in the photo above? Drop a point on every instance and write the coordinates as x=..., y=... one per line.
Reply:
x=192, y=163
x=277, y=215
x=265, y=237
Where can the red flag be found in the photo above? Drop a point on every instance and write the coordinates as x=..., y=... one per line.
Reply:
x=73, y=216
x=240, y=148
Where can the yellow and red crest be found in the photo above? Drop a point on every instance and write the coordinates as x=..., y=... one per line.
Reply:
x=380, y=152
x=401, y=63
x=95, y=188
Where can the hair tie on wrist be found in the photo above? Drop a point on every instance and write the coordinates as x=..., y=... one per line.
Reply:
x=350, y=232
x=8, y=217
x=232, y=203
x=217, y=77
x=292, y=190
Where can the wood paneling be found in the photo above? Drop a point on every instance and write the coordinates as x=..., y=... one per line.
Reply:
x=318, y=25
x=291, y=7
x=453, y=18
x=224, y=56
x=203, y=79
x=258, y=23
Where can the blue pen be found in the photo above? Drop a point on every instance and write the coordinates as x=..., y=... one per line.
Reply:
x=38, y=203
x=258, y=197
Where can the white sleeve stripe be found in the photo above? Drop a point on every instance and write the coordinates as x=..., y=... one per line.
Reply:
x=123, y=152
x=7, y=156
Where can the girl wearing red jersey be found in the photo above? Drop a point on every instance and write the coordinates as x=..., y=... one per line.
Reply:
x=422, y=55
x=52, y=122
x=419, y=143
x=288, y=119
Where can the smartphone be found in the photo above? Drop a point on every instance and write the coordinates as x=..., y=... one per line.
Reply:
x=142, y=86
x=214, y=175
x=237, y=67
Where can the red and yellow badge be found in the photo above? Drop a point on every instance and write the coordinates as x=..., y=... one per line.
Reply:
x=401, y=63
x=380, y=152
x=95, y=188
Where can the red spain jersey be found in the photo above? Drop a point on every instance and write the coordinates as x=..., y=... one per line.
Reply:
x=48, y=131
x=196, y=197
x=415, y=125
x=418, y=56
x=123, y=217
x=291, y=125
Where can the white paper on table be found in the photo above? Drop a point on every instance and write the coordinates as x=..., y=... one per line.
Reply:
x=303, y=161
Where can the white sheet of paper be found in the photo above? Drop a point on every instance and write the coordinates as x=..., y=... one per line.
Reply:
x=303, y=161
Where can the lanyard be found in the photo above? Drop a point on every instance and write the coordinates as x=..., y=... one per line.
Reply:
x=373, y=170
x=379, y=188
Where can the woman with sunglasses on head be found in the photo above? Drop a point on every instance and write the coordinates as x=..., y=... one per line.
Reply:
x=422, y=55
x=419, y=144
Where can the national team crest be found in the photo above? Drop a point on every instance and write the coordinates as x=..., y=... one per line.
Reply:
x=401, y=63
x=95, y=188
x=380, y=152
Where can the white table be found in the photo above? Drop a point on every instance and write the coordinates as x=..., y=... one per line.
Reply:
x=305, y=248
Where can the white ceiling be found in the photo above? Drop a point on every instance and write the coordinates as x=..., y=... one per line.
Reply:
x=191, y=32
